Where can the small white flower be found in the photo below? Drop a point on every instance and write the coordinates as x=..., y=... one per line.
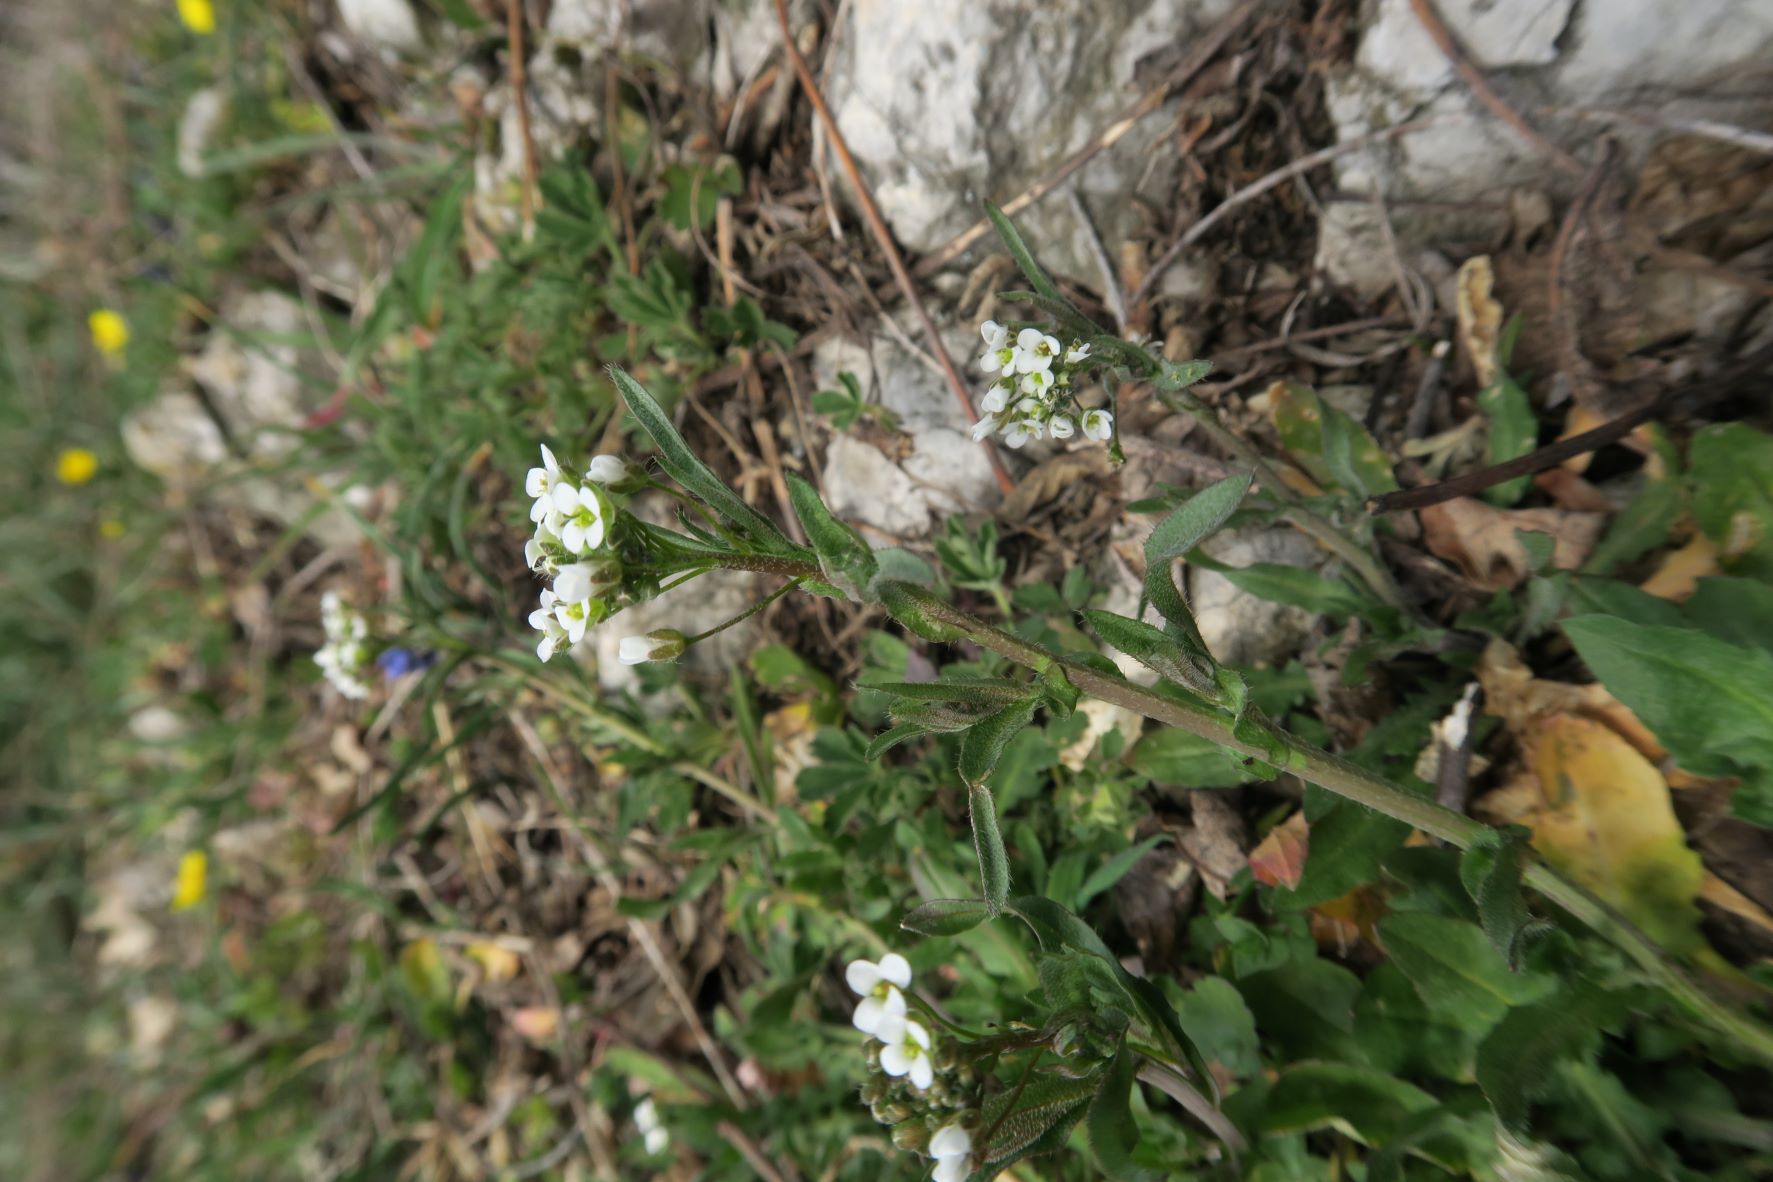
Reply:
x=344, y=654
x=1035, y=350
x=1020, y=432
x=1061, y=427
x=582, y=526
x=984, y=427
x=952, y=1146
x=1098, y=425
x=583, y=580
x=544, y=620
x=538, y=551
x=575, y=617
x=653, y=1134
x=1077, y=354
x=907, y=1052
x=996, y=335
x=998, y=361
x=661, y=644
x=878, y=984
x=996, y=398
x=541, y=481
x=607, y=470
x=1038, y=382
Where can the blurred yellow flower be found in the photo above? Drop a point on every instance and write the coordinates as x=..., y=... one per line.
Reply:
x=110, y=529
x=75, y=465
x=198, y=15
x=193, y=876
x=110, y=332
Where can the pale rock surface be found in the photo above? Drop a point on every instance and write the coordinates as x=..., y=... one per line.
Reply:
x=946, y=105
x=699, y=605
x=945, y=471
x=1239, y=628
x=382, y=24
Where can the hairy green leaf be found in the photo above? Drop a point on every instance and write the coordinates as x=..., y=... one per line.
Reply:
x=684, y=467
x=1168, y=656
x=844, y=557
x=946, y=917
x=1454, y=968
x=1491, y=871
x=1516, y=1061
x=1114, y=1135
x=994, y=861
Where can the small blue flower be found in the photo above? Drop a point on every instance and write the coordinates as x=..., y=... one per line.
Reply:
x=398, y=662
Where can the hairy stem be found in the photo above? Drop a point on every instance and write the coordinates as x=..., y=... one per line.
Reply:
x=1345, y=779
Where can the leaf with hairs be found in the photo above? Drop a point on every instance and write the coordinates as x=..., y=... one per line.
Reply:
x=1114, y=1134
x=946, y=917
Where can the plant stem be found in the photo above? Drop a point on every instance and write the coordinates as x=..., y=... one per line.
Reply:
x=1345, y=779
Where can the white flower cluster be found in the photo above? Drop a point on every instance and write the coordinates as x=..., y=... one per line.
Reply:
x=1033, y=396
x=652, y=1134
x=905, y=1049
x=952, y=1147
x=346, y=651
x=573, y=516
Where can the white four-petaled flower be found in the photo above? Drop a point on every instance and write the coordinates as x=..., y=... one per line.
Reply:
x=878, y=984
x=544, y=620
x=907, y=1051
x=952, y=1147
x=582, y=523
x=1098, y=424
x=652, y=1133
x=1035, y=350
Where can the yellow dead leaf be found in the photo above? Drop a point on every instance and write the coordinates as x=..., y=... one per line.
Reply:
x=1605, y=819
x=499, y=962
x=1480, y=317
x=1520, y=700
x=1678, y=576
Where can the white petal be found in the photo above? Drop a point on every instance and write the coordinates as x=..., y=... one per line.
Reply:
x=540, y=619
x=575, y=629
x=894, y=1060
x=566, y=498
x=549, y=462
x=862, y=976
x=1029, y=339
x=869, y=1013
x=923, y=1072
x=634, y=650
x=607, y=470
x=951, y=1141
x=545, y=649
x=593, y=534
x=983, y=427
x=1061, y=427
x=656, y=1140
x=916, y=1035
x=532, y=554
x=1015, y=437
x=950, y=1169
x=540, y=509
x=535, y=482
x=995, y=398
x=573, y=582
x=1052, y=345
x=897, y=969
x=1076, y=355
x=996, y=335
x=989, y=362
x=572, y=536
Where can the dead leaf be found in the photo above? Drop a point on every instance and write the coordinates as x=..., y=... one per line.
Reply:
x=1570, y=491
x=500, y=963
x=1725, y=897
x=1050, y=478
x=536, y=1023
x=1605, y=818
x=791, y=731
x=1480, y=317
x=1522, y=701
x=1480, y=539
x=1678, y=576
x=1216, y=842
x=1581, y=418
x=1279, y=859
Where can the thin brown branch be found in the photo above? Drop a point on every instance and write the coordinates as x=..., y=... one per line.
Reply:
x=1258, y=187
x=1202, y=52
x=520, y=94
x=878, y=227
x=1437, y=30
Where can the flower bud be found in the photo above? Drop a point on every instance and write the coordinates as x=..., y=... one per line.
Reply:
x=661, y=644
x=875, y=1087
x=911, y=1135
x=579, y=581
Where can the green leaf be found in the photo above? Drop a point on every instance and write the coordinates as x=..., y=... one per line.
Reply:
x=1115, y=869
x=1168, y=656
x=1018, y=248
x=1731, y=467
x=1640, y=527
x=684, y=467
x=1297, y=586
x=1514, y=431
x=994, y=861
x=1454, y=968
x=1305, y=1007
x=1021, y=1121
x=896, y=563
x=1398, y=1033
x=1491, y=871
x=1359, y=1102
x=1179, y=375
x=1354, y=458
x=906, y=604
x=693, y=192
x=845, y=559
x=946, y=917
x=986, y=739
x=1114, y=1135
x=1708, y=701
x=892, y=737
x=1196, y=519
x=1348, y=842
x=1174, y=756
x=1056, y=927
x=1739, y=611
x=1516, y=1061
x=1216, y=1018
x=994, y=692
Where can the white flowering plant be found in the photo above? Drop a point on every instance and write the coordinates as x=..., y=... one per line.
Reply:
x=974, y=1098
